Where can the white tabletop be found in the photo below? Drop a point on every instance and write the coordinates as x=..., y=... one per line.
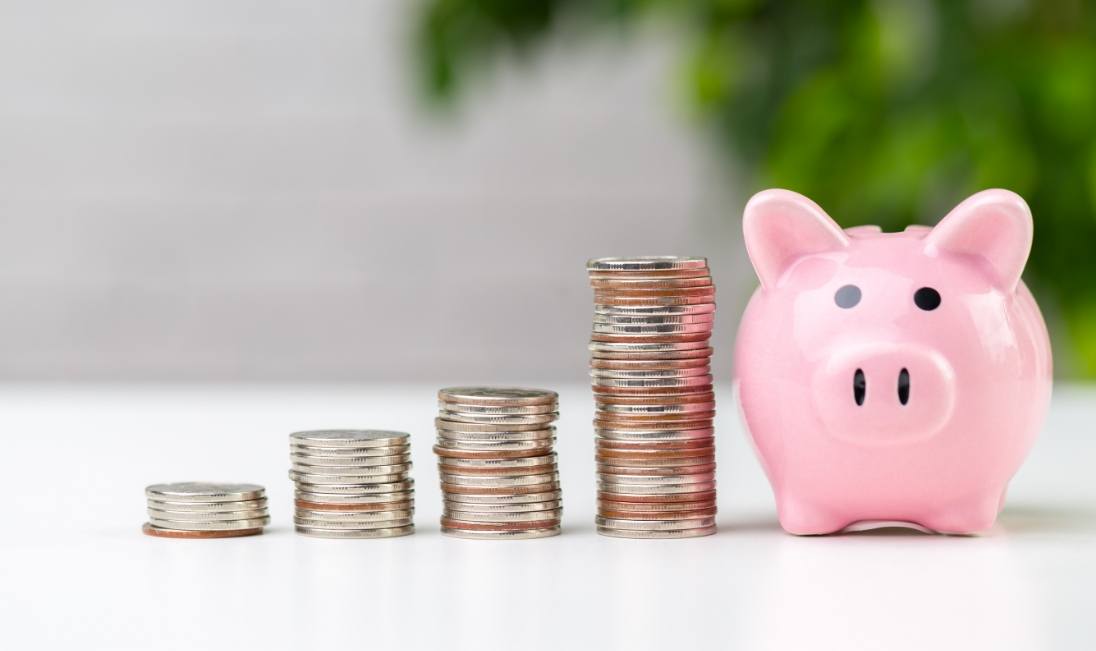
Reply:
x=75, y=572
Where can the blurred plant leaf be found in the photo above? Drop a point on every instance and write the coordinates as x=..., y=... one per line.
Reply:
x=883, y=111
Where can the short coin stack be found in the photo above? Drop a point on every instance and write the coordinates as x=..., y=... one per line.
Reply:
x=650, y=364
x=205, y=510
x=352, y=483
x=499, y=477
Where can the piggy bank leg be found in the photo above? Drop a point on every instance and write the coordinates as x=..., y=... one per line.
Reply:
x=803, y=518
x=967, y=517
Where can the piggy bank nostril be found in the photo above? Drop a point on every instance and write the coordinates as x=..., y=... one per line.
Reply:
x=903, y=386
x=859, y=387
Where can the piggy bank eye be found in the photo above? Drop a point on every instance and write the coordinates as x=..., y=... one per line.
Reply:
x=927, y=298
x=846, y=297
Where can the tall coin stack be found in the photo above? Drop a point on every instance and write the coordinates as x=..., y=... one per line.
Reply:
x=652, y=382
x=205, y=510
x=499, y=477
x=352, y=483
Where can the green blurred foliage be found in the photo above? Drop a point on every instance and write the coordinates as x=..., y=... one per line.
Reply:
x=887, y=112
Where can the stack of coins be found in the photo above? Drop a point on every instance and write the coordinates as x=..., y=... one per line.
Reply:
x=652, y=384
x=352, y=483
x=499, y=477
x=205, y=510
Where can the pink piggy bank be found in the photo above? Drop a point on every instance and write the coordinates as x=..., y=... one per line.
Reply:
x=891, y=377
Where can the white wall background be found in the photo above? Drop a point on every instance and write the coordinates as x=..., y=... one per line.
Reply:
x=208, y=189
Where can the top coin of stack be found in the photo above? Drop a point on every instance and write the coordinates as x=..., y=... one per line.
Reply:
x=352, y=483
x=499, y=477
x=652, y=382
x=205, y=510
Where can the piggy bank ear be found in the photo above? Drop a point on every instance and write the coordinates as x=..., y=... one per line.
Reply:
x=780, y=226
x=994, y=226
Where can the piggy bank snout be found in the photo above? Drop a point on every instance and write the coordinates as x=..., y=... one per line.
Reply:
x=884, y=393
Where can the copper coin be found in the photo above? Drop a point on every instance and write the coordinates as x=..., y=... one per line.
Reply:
x=618, y=292
x=373, y=506
x=655, y=461
x=649, y=425
x=525, y=470
x=649, y=365
x=657, y=471
x=502, y=490
x=632, y=419
x=647, y=507
x=491, y=454
x=611, y=446
x=657, y=499
x=499, y=526
x=657, y=515
x=610, y=300
x=158, y=532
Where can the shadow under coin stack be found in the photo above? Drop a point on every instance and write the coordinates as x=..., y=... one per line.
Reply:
x=205, y=510
x=499, y=477
x=650, y=364
x=352, y=483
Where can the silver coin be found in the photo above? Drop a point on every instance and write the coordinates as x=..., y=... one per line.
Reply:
x=215, y=516
x=523, y=462
x=675, y=533
x=498, y=482
x=496, y=419
x=345, y=461
x=648, y=330
x=473, y=437
x=653, y=319
x=361, y=471
x=500, y=396
x=655, y=525
x=207, y=507
x=654, y=435
x=349, y=438
x=654, y=383
x=520, y=534
x=495, y=446
x=330, y=452
x=500, y=517
x=654, y=310
x=322, y=532
x=646, y=347
x=360, y=526
x=345, y=480
x=219, y=525
x=647, y=282
x=336, y=498
x=199, y=491
x=646, y=263
x=614, y=488
x=497, y=410
x=356, y=488
x=505, y=499
x=359, y=517
x=455, y=426
x=649, y=374
x=452, y=506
